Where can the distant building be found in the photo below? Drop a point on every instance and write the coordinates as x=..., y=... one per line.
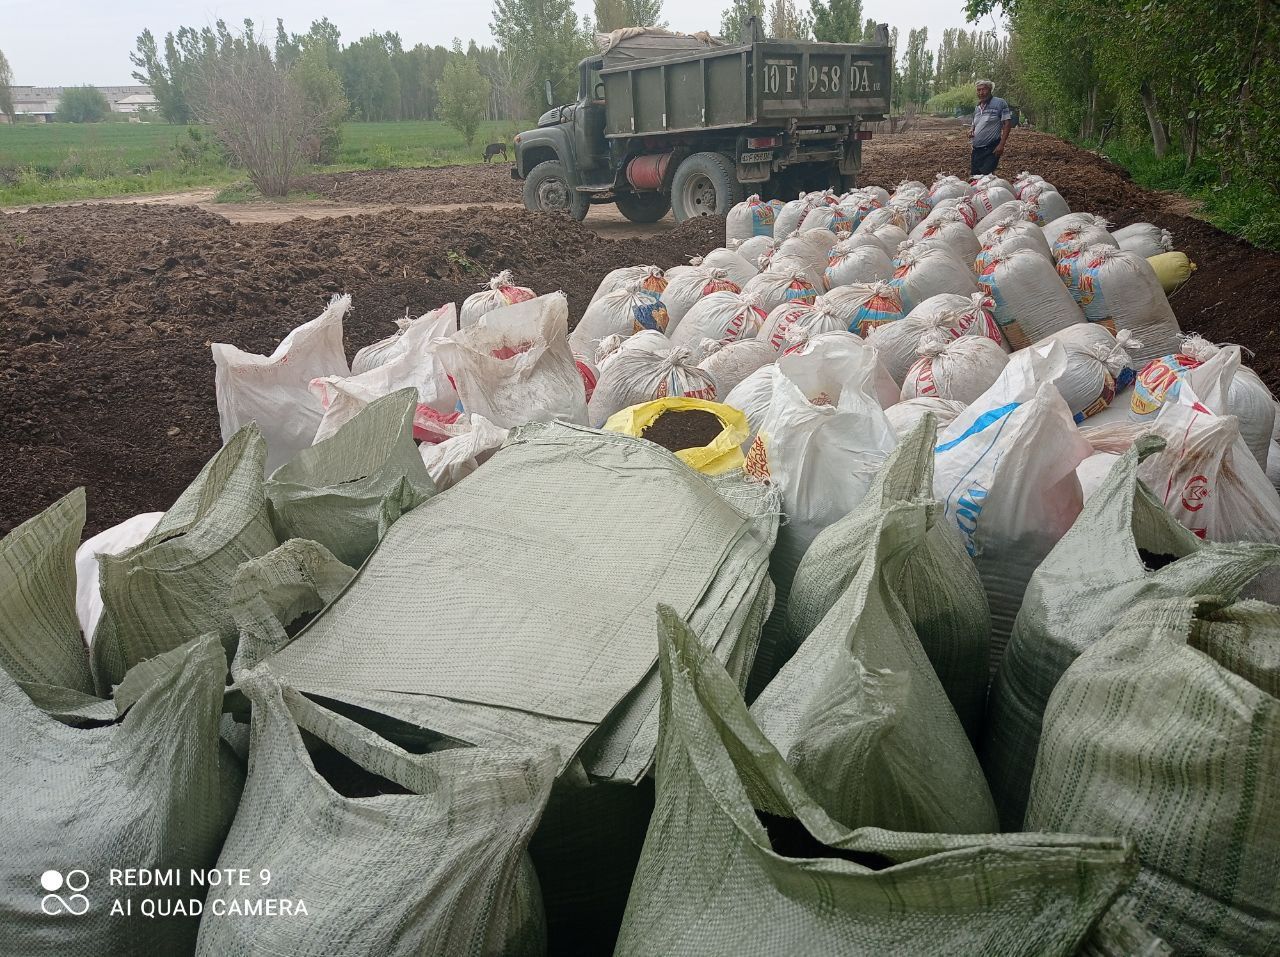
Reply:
x=40, y=103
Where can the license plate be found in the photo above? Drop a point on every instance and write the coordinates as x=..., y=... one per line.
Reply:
x=763, y=157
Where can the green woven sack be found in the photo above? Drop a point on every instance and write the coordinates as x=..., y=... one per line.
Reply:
x=935, y=581
x=143, y=793
x=390, y=853
x=1123, y=548
x=740, y=859
x=1167, y=730
x=174, y=585
x=346, y=491
x=39, y=633
x=859, y=713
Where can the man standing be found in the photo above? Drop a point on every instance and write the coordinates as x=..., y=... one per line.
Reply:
x=992, y=120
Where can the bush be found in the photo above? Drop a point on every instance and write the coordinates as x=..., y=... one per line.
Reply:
x=464, y=95
x=83, y=104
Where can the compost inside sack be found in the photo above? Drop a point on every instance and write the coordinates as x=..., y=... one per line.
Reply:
x=675, y=430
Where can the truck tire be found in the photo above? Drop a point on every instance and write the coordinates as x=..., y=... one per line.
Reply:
x=643, y=207
x=705, y=184
x=547, y=190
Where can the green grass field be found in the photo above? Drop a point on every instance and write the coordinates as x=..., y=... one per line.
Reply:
x=42, y=163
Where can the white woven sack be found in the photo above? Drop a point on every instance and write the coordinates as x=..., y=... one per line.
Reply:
x=638, y=375
x=914, y=207
x=1029, y=299
x=988, y=180
x=906, y=415
x=857, y=260
x=1006, y=470
x=1086, y=235
x=502, y=291
x=441, y=321
x=931, y=272
x=1007, y=212
x=779, y=284
x=730, y=364
x=790, y=216
x=1015, y=234
x=116, y=539
x=880, y=194
x=612, y=346
x=515, y=365
x=1048, y=202
x=898, y=342
x=686, y=285
x=415, y=364
x=1145, y=239
x=811, y=246
x=987, y=199
x=968, y=213
x=752, y=249
x=653, y=278
x=951, y=229
x=723, y=317
x=961, y=369
x=1025, y=179
x=623, y=311
x=793, y=322
x=274, y=390
x=749, y=218
x=452, y=460
x=740, y=269
x=890, y=235
x=947, y=187
x=884, y=216
x=1093, y=471
x=1120, y=289
x=1055, y=227
x=811, y=376
x=1097, y=363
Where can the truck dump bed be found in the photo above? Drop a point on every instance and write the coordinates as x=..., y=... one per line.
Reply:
x=755, y=84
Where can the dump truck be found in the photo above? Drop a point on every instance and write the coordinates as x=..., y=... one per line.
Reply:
x=691, y=125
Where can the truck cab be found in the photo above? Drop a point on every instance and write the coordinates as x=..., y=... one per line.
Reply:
x=687, y=124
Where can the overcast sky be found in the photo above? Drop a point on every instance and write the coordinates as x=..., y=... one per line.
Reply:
x=67, y=42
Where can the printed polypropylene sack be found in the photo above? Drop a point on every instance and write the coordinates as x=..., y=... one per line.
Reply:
x=1120, y=290
x=866, y=306
x=1098, y=366
x=440, y=322
x=857, y=261
x=951, y=225
x=1025, y=179
x=723, y=317
x=413, y=364
x=962, y=368
x=794, y=322
x=449, y=462
x=811, y=246
x=920, y=274
x=907, y=414
x=173, y=586
x=987, y=199
x=930, y=574
x=789, y=217
x=639, y=375
x=39, y=633
x=346, y=491
x=780, y=284
x=735, y=833
x=885, y=216
x=1047, y=201
x=1144, y=239
x=730, y=364
x=739, y=268
x=752, y=217
x=502, y=291
x=898, y=342
x=858, y=711
x=274, y=391
x=113, y=541
x=624, y=311
x=77, y=802
x=651, y=278
x=947, y=187
x=889, y=235
x=1006, y=473
x=1010, y=235
x=613, y=346
x=515, y=365
x=407, y=853
x=1124, y=548
x=825, y=217
x=1167, y=731
x=753, y=250
x=686, y=285
x=1006, y=212
x=987, y=180
x=1029, y=300
x=1076, y=238
x=1054, y=229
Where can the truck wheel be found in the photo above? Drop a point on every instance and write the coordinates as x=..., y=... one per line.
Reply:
x=643, y=207
x=706, y=184
x=547, y=190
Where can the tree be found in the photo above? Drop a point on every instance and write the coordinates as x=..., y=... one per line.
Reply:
x=324, y=101
x=837, y=21
x=83, y=104
x=735, y=17
x=511, y=78
x=611, y=15
x=369, y=77
x=548, y=35
x=6, y=91
x=786, y=22
x=645, y=13
x=464, y=94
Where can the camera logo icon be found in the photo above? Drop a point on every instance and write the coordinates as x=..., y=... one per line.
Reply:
x=54, y=903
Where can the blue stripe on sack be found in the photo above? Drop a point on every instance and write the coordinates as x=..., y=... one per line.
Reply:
x=984, y=421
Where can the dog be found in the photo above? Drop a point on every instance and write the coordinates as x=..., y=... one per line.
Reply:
x=495, y=149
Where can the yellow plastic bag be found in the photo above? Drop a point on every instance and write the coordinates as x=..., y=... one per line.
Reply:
x=723, y=454
x=1172, y=269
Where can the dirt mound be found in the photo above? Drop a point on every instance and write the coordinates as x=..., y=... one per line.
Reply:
x=1234, y=295
x=105, y=373
x=435, y=186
